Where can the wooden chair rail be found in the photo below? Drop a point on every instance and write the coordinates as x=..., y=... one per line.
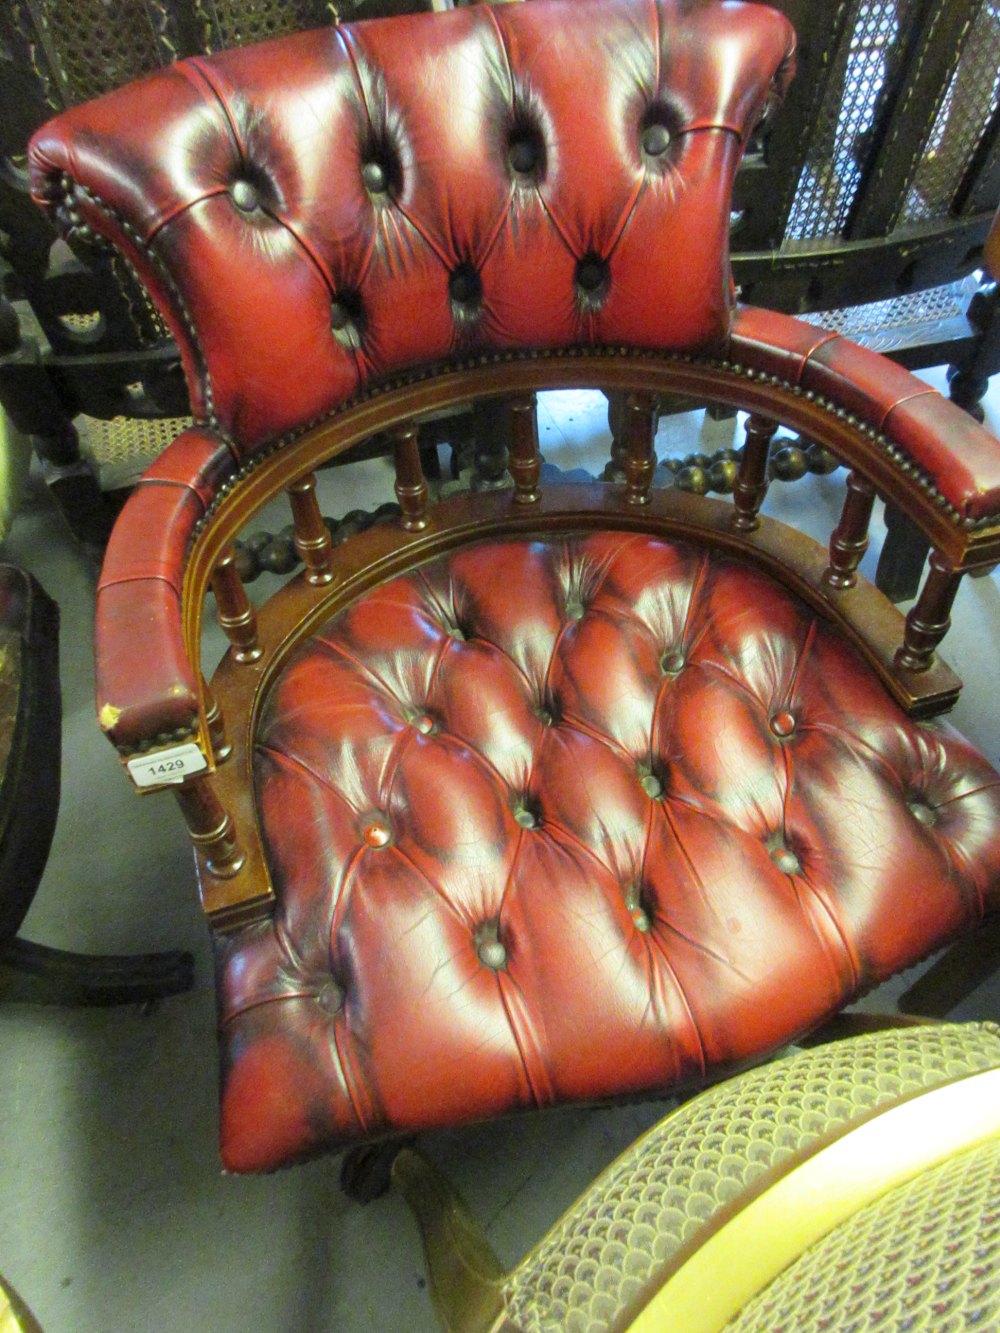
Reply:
x=219, y=807
x=871, y=623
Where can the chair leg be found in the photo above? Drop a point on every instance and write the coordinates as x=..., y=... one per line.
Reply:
x=15, y=1317
x=33, y=974
x=366, y=1171
x=956, y=974
x=465, y=1275
x=902, y=559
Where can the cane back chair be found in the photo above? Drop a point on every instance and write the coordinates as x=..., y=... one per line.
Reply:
x=555, y=794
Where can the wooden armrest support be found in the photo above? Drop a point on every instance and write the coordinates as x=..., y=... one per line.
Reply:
x=147, y=689
x=935, y=445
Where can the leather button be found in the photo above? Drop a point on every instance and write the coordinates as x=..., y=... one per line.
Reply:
x=672, y=663
x=574, y=610
x=454, y=632
x=464, y=286
x=545, y=716
x=655, y=140
x=525, y=817
x=652, y=786
x=492, y=953
x=783, y=724
x=787, y=862
x=638, y=913
x=375, y=177
x=424, y=723
x=377, y=833
x=330, y=998
x=245, y=196
x=523, y=156
x=923, y=813
x=340, y=316
x=592, y=275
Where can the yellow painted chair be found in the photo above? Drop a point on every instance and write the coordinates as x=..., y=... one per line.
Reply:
x=853, y=1186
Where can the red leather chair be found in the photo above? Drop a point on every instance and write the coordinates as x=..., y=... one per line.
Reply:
x=551, y=794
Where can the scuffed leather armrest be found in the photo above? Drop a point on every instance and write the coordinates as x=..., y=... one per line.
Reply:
x=925, y=436
x=147, y=689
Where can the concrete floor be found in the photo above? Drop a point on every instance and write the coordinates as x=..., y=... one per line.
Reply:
x=113, y=1213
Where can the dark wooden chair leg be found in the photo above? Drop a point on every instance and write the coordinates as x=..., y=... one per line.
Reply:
x=34, y=974
x=366, y=1171
x=969, y=380
x=491, y=426
x=956, y=974
x=901, y=561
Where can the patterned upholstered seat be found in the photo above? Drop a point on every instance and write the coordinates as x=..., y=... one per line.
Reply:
x=908, y=1240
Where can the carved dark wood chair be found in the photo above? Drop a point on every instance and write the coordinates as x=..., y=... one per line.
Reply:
x=554, y=794
x=30, y=750
x=87, y=367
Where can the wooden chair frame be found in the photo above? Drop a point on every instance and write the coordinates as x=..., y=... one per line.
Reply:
x=219, y=805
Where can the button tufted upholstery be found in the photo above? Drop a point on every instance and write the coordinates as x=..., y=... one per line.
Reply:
x=312, y=218
x=643, y=820
x=324, y=180
x=553, y=817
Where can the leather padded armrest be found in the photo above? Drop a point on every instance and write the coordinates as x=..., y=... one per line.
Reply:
x=147, y=690
x=953, y=453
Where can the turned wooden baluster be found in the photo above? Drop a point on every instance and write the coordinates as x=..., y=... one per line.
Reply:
x=640, y=460
x=411, y=487
x=525, y=460
x=222, y=746
x=209, y=827
x=750, y=485
x=233, y=609
x=312, y=541
x=849, y=539
x=930, y=618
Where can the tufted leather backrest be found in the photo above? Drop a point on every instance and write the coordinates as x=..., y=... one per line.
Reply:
x=324, y=210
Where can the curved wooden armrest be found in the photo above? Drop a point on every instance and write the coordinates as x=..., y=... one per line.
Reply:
x=932, y=445
x=147, y=689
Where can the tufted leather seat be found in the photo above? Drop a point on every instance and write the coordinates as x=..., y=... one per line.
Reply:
x=561, y=794
x=542, y=814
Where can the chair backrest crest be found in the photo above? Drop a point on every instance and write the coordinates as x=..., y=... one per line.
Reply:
x=319, y=212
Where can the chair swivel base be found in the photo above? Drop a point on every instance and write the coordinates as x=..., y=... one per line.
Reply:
x=34, y=974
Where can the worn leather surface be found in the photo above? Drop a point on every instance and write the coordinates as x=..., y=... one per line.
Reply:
x=146, y=688
x=313, y=216
x=563, y=820
x=548, y=821
x=315, y=213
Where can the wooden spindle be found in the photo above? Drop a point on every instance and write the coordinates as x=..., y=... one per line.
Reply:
x=233, y=609
x=849, y=539
x=210, y=827
x=525, y=458
x=930, y=618
x=411, y=487
x=640, y=460
x=312, y=541
x=750, y=485
x=222, y=746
